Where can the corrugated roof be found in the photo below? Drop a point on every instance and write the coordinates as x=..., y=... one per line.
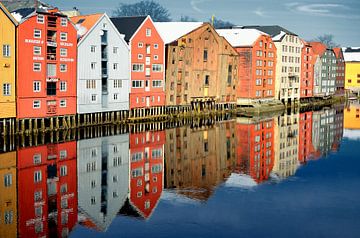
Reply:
x=171, y=31
x=85, y=22
x=128, y=25
x=318, y=48
x=241, y=37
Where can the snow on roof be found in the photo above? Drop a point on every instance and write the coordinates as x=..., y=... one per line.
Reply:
x=17, y=16
x=240, y=37
x=176, y=198
x=352, y=134
x=171, y=31
x=279, y=36
x=351, y=56
x=240, y=181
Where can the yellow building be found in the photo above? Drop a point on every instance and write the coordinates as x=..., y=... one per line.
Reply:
x=8, y=195
x=7, y=63
x=352, y=69
x=352, y=117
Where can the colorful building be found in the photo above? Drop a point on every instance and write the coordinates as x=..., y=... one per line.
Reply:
x=340, y=71
x=325, y=68
x=256, y=67
x=7, y=64
x=147, y=88
x=201, y=66
x=146, y=171
x=288, y=64
x=307, y=71
x=46, y=76
x=255, y=147
x=8, y=195
x=352, y=117
x=305, y=137
x=47, y=190
x=323, y=134
x=352, y=69
x=103, y=179
x=103, y=74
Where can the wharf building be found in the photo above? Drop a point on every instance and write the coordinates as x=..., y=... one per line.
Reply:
x=103, y=75
x=46, y=72
x=340, y=71
x=288, y=63
x=307, y=71
x=352, y=69
x=201, y=66
x=306, y=148
x=325, y=69
x=256, y=66
x=147, y=61
x=323, y=131
x=47, y=190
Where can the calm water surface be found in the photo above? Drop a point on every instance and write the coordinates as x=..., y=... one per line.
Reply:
x=291, y=175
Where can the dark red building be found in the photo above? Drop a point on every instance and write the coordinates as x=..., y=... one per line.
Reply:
x=307, y=71
x=306, y=148
x=340, y=72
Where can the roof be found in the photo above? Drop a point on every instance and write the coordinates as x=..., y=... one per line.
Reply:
x=338, y=52
x=128, y=25
x=85, y=22
x=8, y=14
x=351, y=54
x=171, y=31
x=240, y=37
x=318, y=48
x=20, y=14
x=275, y=31
x=13, y=5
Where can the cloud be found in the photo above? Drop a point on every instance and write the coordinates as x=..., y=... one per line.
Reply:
x=259, y=12
x=195, y=5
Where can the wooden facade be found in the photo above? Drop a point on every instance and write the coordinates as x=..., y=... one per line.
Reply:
x=307, y=71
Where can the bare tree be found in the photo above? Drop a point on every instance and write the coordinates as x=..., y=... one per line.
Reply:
x=143, y=8
x=187, y=19
x=218, y=23
x=327, y=39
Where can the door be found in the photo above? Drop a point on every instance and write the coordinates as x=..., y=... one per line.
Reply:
x=148, y=101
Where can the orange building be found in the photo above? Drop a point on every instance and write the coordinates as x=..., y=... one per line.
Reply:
x=340, y=72
x=147, y=61
x=146, y=171
x=255, y=148
x=305, y=137
x=307, y=71
x=47, y=190
x=46, y=73
x=257, y=64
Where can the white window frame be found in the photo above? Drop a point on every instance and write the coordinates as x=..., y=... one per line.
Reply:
x=137, y=83
x=37, y=33
x=148, y=32
x=64, y=22
x=37, y=86
x=63, y=52
x=36, y=104
x=7, y=89
x=37, y=50
x=156, y=46
x=157, y=84
x=63, y=103
x=137, y=68
x=93, y=48
x=63, y=36
x=140, y=45
x=157, y=67
x=63, y=68
x=37, y=67
x=37, y=176
x=63, y=86
x=6, y=50
x=40, y=19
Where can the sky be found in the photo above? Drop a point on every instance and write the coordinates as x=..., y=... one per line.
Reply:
x=308, y=19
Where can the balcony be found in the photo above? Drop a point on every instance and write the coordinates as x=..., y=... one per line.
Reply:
x=104, y=73
x=104, y=56
x=51, y=23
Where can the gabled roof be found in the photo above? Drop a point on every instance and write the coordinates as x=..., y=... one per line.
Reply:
x=318, y=48
x=275, y=31
x=240, y=37
x=8, y=14
x=338, y=52
x=128, y=25
x=171, y=31
x=85, y=22
x=31, y=7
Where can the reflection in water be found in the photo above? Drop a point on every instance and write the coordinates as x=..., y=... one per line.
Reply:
x=50, y=188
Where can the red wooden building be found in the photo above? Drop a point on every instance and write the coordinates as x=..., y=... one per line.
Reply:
x=306, y=148
x=340, y=72
x=147, y=88
x=146, y=171
x=47, y=190
x=255, y=148
x=307, y=71
x=46, y=55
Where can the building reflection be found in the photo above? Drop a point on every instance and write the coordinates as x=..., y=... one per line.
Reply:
x=8, y=195
x=47, y=190
x=352, y=116
x=103, y=179
x=199, y=158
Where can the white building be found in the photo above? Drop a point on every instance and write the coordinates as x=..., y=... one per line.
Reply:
x=103, y=75
x=103, y=178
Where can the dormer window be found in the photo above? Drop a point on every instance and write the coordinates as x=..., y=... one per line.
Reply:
x=40, y=19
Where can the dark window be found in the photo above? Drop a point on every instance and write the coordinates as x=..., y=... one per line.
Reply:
x=51, y=88
x=207, y=79
x=205, y=55
x=229, y=74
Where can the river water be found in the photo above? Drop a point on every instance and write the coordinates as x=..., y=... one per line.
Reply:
x=290, y=175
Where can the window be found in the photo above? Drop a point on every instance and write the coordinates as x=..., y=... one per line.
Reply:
x=63, y=86
x=8, y=217
x=205, y=55
x=37, y=196
x=229, y=79
x=36, y=104
x=115, y=50
x=138, y=172
x=140, y=56
x=37, y=50
x=157, y=67
x=51, y=88
x=115, y=66
x=63, y=36
x=116, y=161
x=37, y=158
x=116, y=96
x=148, y=49
x=63, y=170
x=37, y=86
x=63, y=52
x=7, y=180
x=51, y=70
x=93, y=49
x=63, y=67
x=93, y=97
x=148, y=32
x=157, y=84
x=63, y=103
x=156, y=57
x=91, y=84
x=138, y=67
x=37, y=176
x=156, y=46
x=258, y=82
x=37, y=67
x=117, y=83
x=137, y=83
x=40, y=19
x=6, y=89
x=63, y=21
x=37, y=33
x=93, y=65
x=63, y=154
x=6, y=50
x=140, y=45
x=207, y=79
